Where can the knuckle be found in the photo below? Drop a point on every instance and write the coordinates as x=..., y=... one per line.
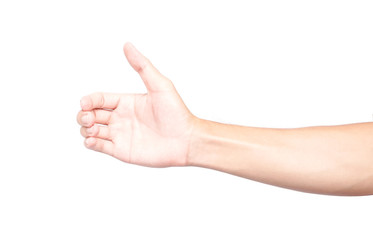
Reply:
x=96, y=131
x=97, y=99
x=92, y=131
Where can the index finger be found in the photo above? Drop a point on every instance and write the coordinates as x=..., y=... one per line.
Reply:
x=100, y=100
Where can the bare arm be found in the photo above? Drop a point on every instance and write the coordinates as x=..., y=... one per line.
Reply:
x=335, y=160
x=156, y=129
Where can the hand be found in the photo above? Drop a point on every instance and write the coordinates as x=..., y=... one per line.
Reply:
x=152, y=129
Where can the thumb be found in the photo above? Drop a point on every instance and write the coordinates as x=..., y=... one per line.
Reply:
x=153, y=79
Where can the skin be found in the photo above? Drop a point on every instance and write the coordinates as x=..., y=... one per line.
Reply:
x=156, y=129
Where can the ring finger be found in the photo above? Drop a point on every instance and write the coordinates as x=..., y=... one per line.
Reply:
x=98, y=131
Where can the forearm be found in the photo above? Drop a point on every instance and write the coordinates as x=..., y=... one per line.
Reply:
x=335, y=160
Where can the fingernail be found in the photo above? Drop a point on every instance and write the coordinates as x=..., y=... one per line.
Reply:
x=90, y=131
x=84, y=103
x=89, y=142
x=85, y=119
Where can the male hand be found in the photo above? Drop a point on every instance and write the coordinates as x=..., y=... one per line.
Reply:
x=152, y=129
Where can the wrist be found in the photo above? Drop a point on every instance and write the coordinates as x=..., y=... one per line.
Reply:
x=196, y=142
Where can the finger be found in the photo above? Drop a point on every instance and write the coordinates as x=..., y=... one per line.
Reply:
x=99, y=145
x=102, y=116
x=153, y=79
x=100, y=100
x=85, y=118
x=96, y=131
x=88, y=118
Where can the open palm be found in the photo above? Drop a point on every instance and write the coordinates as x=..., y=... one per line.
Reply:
x=151, y=129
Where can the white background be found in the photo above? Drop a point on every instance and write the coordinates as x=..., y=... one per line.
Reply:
x=255, y=63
